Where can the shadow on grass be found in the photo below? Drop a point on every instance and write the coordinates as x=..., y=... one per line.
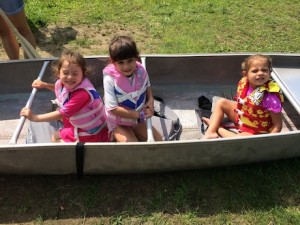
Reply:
x=55, y=41
x=206, y=192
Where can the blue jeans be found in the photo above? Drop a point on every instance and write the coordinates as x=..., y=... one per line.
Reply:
x=11, y=7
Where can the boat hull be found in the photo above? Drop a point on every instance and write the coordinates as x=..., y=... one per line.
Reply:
x=179, y=80
x=115, y=158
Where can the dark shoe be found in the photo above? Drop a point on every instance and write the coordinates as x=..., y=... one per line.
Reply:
x=204, y=103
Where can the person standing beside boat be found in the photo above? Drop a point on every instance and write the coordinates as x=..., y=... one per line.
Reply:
x=80, y=106
x=127, y=93
x=14, y=9
x=258, y=106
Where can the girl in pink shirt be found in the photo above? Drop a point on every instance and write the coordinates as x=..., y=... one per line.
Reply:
x=80, y=106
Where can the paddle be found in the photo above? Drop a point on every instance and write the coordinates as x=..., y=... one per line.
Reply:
x=32, y=54
x=150, y=137
x=28, y=48
x=20, y=125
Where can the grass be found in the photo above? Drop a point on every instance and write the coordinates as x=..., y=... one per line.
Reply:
x=185, y=26
x=263, y=193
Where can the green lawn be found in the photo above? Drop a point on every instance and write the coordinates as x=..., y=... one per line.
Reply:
x=184, y=26
x=263, y=193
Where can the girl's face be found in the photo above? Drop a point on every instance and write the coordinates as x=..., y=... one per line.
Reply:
x=258, y=73
x=70, y=74
x=126, y=66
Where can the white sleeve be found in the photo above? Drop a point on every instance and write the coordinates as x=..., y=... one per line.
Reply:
x=110, y=99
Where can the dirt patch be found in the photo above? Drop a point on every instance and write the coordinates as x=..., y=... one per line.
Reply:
x=87, y=39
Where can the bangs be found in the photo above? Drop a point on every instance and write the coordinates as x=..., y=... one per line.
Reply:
x=123, y=48
x=125, y=52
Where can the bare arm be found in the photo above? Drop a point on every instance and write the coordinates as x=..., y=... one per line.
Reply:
x=41, y=84
x=126, y=113
x=277, y=122
x=149, y=106
x=46, y=117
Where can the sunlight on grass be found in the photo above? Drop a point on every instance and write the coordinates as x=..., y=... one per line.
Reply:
x=187, y=26
x=263, y=193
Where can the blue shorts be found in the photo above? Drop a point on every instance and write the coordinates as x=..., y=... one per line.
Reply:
x=11, y=7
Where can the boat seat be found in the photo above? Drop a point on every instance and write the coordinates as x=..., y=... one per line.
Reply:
x=288, y=79
x=41, y=132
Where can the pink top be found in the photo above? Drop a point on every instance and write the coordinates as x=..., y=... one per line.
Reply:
x=78, y=99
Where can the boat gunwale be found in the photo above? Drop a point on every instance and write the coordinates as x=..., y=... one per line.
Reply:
x=157, y=143
x=140, y=157
x=166, y=55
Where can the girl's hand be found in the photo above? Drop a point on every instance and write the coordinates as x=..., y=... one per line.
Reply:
x=148, y=111
x=149, y=107
x=27, y=113
x=38, y=84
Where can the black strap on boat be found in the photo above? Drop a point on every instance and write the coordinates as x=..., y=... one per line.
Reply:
x=79, y=159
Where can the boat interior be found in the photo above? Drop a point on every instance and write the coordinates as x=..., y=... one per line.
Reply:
x=178, y=79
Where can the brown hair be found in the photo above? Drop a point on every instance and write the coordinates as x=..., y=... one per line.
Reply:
x=71, y=57
x=247, y=63
x=122, y=47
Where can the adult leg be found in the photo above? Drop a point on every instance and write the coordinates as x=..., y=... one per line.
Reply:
x=223, y=106
x=9, y=41
x=20, y=22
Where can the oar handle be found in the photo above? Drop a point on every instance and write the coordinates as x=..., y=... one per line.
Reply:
x=150, y=137
x=21, y=122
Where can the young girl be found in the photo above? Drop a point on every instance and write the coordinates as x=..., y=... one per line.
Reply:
x=80, y=106
x=128, y=95
x=258, y=106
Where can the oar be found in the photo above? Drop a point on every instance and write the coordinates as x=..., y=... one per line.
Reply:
x=28, y=48
x=20, y=125
x=150, y=137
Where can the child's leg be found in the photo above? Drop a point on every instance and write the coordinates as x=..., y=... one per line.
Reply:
x=227, y=133
x=124, y=134
x=56, y=137
x=223, y=132
x=222, y=106
x=156, y=134
x=140, y=131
